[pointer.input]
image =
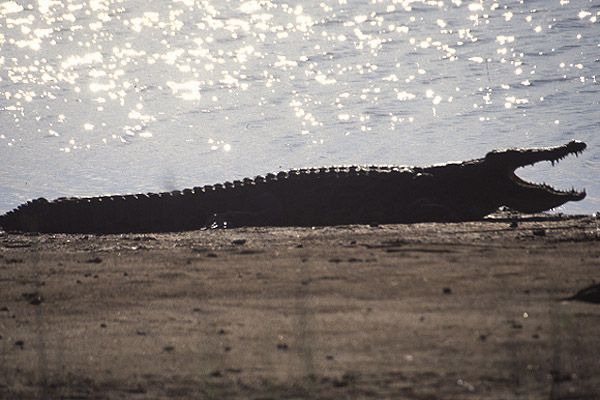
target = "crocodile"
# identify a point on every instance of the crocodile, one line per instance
(453, 192)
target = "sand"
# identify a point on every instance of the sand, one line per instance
(424, 311)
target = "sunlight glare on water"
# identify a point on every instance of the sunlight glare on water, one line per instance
(110, 96)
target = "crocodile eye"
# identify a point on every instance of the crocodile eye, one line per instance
(492, 155)
(502, 155)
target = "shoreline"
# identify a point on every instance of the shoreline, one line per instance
(447, 311)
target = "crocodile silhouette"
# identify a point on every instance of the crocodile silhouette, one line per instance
(328, 196)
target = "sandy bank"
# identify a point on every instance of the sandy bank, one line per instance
(424, 311)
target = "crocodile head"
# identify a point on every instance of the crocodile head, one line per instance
(524, 196)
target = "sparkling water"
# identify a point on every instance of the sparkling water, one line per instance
(112, 97)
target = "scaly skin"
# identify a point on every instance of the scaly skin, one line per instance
(314, 197)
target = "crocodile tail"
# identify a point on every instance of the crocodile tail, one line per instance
(163, 212)
(6, 221)
(24, 218)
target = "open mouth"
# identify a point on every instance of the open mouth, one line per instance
(553, 155)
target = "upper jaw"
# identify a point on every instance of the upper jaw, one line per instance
(516, 158)
(553, 154)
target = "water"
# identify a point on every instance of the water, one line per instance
(110, 97)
